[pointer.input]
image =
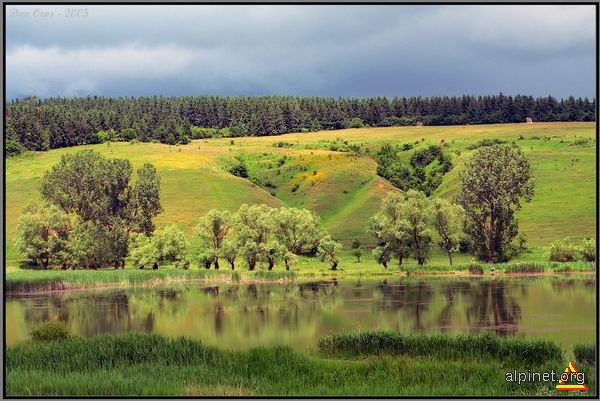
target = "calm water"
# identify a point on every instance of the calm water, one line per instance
(243, 316)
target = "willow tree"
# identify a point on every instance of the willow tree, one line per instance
(447, 220)
(212, 231)
(254, 225)
(297, 229)
(415, 224)
(43, 235)
(328, 251)
(385, 227)
(494, 182)
(108, 206)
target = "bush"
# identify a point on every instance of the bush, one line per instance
(485, 142)
(13, 148)
(585, 353)
(239, 170)
(106, 136)
(588, 250)
(582, 142)
(563, 251)
(475, 268)
(50, 331)
(356, 123)
(183, 264)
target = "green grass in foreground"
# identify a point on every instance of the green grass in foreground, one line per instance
(136, 364)
(585, 353)
(441, 346)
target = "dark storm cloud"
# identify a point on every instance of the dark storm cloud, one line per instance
(301, 50)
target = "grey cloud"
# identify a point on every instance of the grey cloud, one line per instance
(303, 50)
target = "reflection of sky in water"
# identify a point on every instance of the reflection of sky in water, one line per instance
(242, 316)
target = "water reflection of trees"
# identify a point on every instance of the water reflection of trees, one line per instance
(573, 284)
(489, 305)
(493, 307)
(256, 310)
(90, 315)
(414, 298)
(317, 289)
(451, 291)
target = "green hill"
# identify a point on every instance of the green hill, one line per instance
(312, 170)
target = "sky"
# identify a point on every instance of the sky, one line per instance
(347, 50)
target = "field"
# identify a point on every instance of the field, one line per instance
(341, 187)
(152, 365)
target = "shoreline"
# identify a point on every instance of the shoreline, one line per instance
(225, 279)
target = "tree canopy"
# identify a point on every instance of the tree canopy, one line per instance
(93, 196)
(494, 182)
(258, 233)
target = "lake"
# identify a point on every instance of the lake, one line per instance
(242, 316)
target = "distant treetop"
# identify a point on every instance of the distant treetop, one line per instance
(35, 124)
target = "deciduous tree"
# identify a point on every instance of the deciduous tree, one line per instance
(386, 227)
(212, 231)
(493, 185)
(414, 223)
(447, 220)
(43, 234)
(329, 250)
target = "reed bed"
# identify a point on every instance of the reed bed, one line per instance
(441, 346)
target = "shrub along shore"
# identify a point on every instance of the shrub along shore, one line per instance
(387, 364)
(25, 281)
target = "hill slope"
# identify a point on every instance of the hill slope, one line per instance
(302, 170)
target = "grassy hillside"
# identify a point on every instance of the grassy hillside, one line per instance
(302, 170)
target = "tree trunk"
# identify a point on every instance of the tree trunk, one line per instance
(155, 266)
(116, 264)
(232, 264)
(251, 265)
(271, 264)
(384, 264)
(287, 265)
(334, 266)
(450, 257)
(216, 263)
(490, 239)
(122, 263)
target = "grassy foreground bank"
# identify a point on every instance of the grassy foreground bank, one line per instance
(56, 280)
(135, 364)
